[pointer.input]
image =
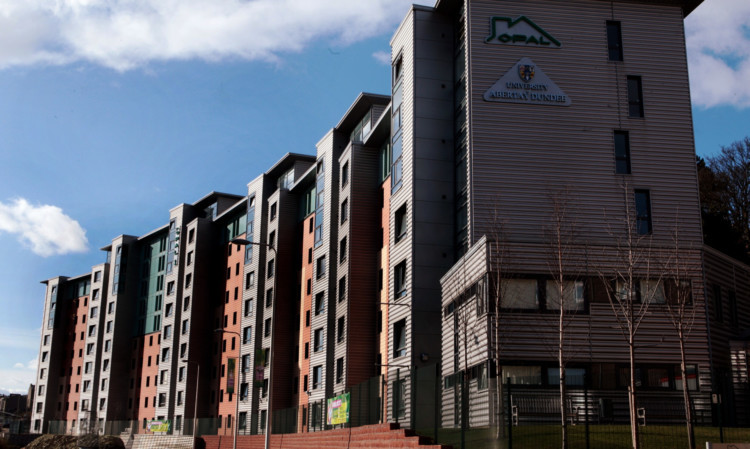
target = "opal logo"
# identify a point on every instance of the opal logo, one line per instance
(519, 31)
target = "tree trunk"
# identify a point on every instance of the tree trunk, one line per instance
(686, 393)
(634, 431)
(561, 367)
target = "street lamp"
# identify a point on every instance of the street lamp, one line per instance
(236, 395)
(245, 242)
(195, 407)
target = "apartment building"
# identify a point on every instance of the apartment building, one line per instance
(503, 118)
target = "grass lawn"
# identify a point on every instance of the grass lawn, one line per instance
(604, 436)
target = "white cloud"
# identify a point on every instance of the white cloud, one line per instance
(18, 366)
(718, 42)
(383, 57)
(123, 34)
(46, 229)
(17, 379)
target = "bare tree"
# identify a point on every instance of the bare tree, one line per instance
(682, 314)
(498, 272)
(631, 288)
(561, 236)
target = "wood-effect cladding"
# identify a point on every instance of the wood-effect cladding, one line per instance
(522, 153)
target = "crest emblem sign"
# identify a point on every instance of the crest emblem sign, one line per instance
(526, 72)
(526, 83)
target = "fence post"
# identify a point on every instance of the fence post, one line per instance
(586, 408)
(395, 396)
(413, 401)
(509, 415)
(438, 409)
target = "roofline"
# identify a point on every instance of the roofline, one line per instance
(215, 193)
(726, 257)
(287, 156)
(360, 98)
(149, 234)
(231, 208)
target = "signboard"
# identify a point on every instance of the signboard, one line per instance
(159, 426)
(519, 31)
(526, 83)
(230, 375)
(338, 410)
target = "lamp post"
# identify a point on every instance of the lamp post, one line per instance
(195, 407)
(245, 242)
(236, 396)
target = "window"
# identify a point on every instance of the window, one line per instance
(520, 294)
(345, 174)
(189, 258)
(396, 152)
(247, 334)
(399, 338)
(317, 376)
(269, 272)
(181, 374)
(652, 291)
(272, 239)
(87, 368)
(167, 331)
(692, 377)
(95, 295)
(249, 280)
(248, 307)
(162, 377)
(97, 276)
(245, 363)
(400, 223)
(92, 330)
(185, 326)
(170, 287)
(635, 96)
(643, 212)
(523, 375)
(267, 328)
(718, 309)
(183, 350)
(273, 212)
(399, 281)
(179, 398)
(320, 267)
(320, 303)
(318, 340)
(399, 398)
(339, 370)
(573, 376)
(105, 365)
(188, 280)
(186, 303)
(191, 235)
(614, 40)
(342, 250)
(165, 354)
(44, 356)
(269, 297)
(572, 295)
(344, 211)
(111, 307)
(46, 340)
(162, 399)
(307, 318)
(89, 349)
(340, 329)
(342, 288)
(622, 152)
(244, 391)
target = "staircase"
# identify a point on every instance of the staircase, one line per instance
(366, 437)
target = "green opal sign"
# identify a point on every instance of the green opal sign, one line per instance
(519, 31)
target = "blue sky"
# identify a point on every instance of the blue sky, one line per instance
(111, 113)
